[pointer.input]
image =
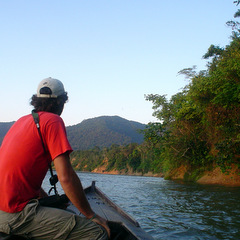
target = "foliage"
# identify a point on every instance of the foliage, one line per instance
(87, 160)
(198, 127)
(237, 2)
(132, 157)
(202, 122)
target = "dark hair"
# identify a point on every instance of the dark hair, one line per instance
(53, 105)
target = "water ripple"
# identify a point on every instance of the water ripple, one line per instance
(173, 210)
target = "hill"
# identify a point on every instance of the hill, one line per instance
(100, 131)
(103, 132)
(4, 127)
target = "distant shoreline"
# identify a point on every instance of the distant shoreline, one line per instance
(214, 177)
(230, 178)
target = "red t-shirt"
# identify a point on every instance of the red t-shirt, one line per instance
(23, 162)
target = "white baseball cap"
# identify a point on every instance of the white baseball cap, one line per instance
(50, 88)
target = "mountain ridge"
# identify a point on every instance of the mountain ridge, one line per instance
(104, 131)
(4, 127)
(99, 132)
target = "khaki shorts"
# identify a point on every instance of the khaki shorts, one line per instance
(37, 222)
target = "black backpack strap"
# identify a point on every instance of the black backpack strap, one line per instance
(36, 120)
(53, 179)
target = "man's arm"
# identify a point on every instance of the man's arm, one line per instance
(72, 186)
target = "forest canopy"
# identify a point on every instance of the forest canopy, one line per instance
(198, 127)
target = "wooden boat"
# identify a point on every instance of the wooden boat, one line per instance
(122, 225)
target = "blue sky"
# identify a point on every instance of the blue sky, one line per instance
(108, 54)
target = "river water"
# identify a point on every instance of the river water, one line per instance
(172, 210)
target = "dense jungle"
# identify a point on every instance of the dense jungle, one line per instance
(198, 128)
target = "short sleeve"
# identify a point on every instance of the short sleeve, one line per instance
(56, 137)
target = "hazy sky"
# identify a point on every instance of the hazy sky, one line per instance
(108, 54)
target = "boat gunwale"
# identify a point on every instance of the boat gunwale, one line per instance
(93, 188)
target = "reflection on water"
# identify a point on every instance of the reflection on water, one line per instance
(172, 210)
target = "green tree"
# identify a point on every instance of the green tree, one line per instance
(200, 125)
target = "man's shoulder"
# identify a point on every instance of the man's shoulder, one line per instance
(48, 119)
(49, 116)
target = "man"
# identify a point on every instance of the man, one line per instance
(23, 165)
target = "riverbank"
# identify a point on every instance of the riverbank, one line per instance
(213, 177)
(128, 172)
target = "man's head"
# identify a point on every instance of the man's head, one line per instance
(50, 96)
